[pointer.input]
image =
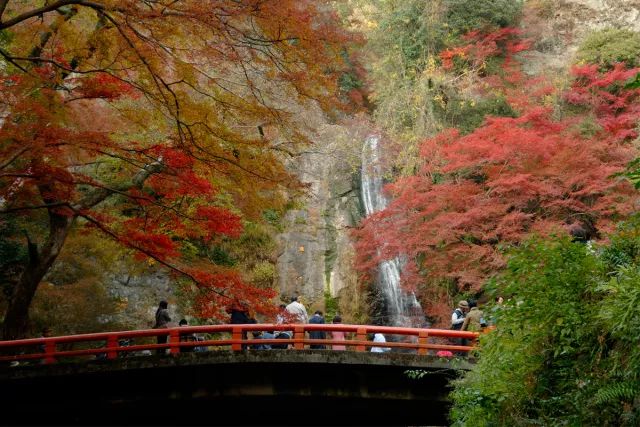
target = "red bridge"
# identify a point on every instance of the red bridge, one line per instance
(96, 379)
(49, 350)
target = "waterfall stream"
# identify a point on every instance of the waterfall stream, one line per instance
(403, 309)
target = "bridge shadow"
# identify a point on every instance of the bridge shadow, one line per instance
(309, 387)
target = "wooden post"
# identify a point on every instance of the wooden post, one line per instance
(112, 344)
(423, 335)
(236, 334)
(174, 342)
(361, 335)
(298, 337)
(49, 350)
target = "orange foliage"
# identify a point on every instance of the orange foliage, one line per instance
(144, 118)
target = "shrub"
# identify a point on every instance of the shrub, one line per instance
(611, 45)
(564, 351)
(464, 15)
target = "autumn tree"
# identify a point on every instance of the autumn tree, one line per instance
(536, 173)
(156, 123)
(413, 96)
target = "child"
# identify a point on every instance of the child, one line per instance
(338, 335)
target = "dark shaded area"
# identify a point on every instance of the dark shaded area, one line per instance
(309, 388)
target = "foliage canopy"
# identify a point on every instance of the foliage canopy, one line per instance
(157, 123)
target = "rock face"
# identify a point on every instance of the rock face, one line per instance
(315, 249)
(139, 295)
(560, 26)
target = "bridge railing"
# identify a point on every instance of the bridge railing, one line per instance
(231, 336)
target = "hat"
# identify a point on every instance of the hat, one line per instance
(463, 304)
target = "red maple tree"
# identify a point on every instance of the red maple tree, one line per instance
(477, 194)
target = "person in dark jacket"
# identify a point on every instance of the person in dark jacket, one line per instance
(457, 319)
(239, 315)
(317, 319)
(162, 322)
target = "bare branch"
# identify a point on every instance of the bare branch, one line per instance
(102, 193)
(45, 9)
(3, 6)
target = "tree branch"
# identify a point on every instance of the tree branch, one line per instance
(102, 193)
(113, 235)
(3, 6)
(12, 61)
(45, 9)
(14, 157)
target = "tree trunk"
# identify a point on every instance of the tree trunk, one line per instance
(16, 320)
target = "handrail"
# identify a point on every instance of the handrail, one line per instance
(47, 348)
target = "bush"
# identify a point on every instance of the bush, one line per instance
(611, 45)
(467, 115)
(264, 274)
(464, 15)
(565, 350)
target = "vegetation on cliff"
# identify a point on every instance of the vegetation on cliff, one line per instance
(511, 184)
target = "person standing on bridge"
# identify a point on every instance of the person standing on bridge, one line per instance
(458, 315)
(474, 320)
(297, 310)
(239, 315)
(162, 322)
(457, 319)
(379, 338)
(317, 319)
(338, 335)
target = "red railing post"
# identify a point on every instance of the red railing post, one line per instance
(361, 335)
(49, 351)
(112, 344)
(298, 337)
(174, 342)
(423, 335)
(236, 334)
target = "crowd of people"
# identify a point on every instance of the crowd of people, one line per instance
(466, 317)
(293, 313)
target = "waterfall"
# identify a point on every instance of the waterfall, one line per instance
(403, 309)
